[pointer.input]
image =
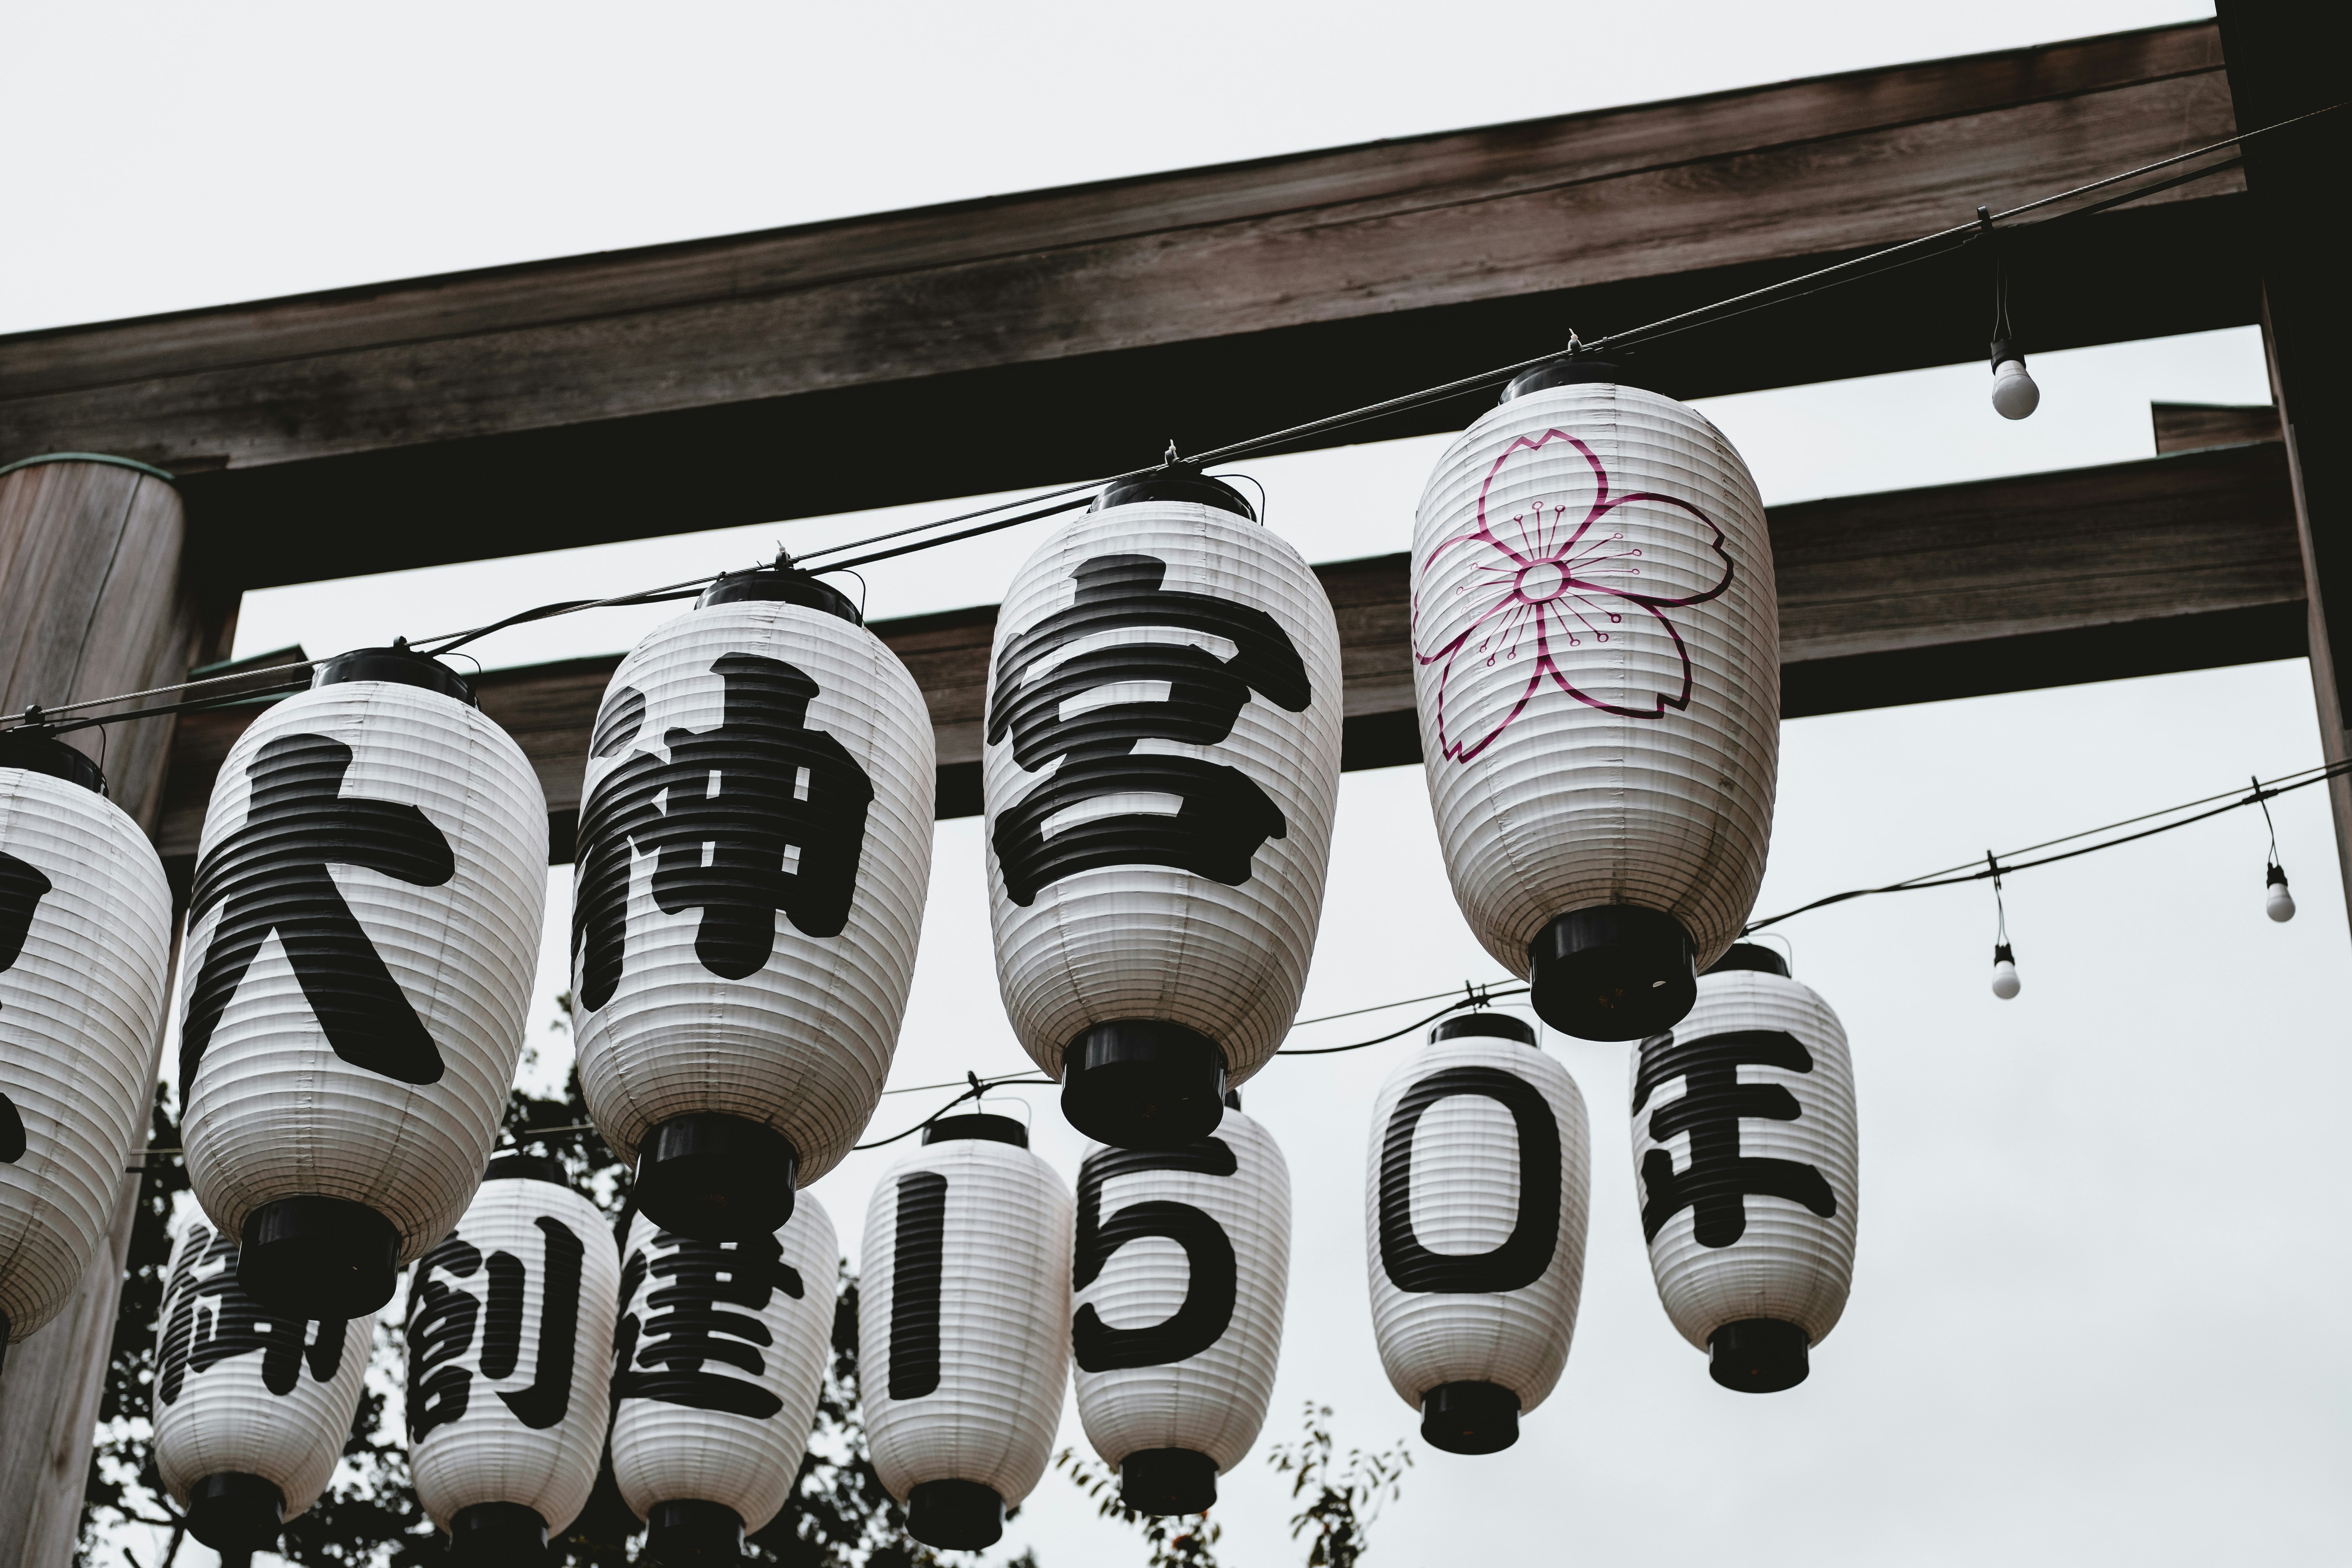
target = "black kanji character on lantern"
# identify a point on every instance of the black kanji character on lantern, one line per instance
(443, 1319)
(21, 888)
(211, 1321)
(1225, 815)
(684, 1326)
(1212, 1279)
(760, 817)
(272, 875)
(1718, 1181)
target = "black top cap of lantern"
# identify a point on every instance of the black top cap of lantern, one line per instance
(1568, 370)
(1176, 481)
(36, 749)
(524, 1168)
(1751, 955)
(1233, 1099)
(978, 1124)
(1484, 1025)
(401, 665)
(783, 584)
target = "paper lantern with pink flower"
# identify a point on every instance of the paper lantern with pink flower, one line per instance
(1596, 645)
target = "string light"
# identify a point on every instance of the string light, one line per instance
(2277, 902)
(2005, 982)
(2014, 394)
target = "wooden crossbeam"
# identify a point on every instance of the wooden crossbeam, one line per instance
(1053, 336)
(2173, 563)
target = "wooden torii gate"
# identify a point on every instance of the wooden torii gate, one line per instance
(1039, 338)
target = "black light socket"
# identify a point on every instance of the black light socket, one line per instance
(714, 1177)
(489, 1534)
(325, 1260)
(399, 664)
(1470, 1417)
(1143, 1083)
(955, 1516)
(691, 1530)
(1614, 972)
(233, 1511)
(1167, 1481)
(1758, 1356)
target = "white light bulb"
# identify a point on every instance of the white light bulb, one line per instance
(2005, 984)
(2014, 395)
(2278, 903)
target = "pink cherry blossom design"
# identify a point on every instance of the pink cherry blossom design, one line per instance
(1557, 588)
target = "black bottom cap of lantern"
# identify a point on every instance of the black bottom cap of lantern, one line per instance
(232, 1511)
(1143, 1083)
(1167, 1481)
(955, 1516)
(694, 1530)
(489, 1533)
(325, 1258)
(1470, 1417)
(714, 1177)
(1758, 1355)
(1616, 971)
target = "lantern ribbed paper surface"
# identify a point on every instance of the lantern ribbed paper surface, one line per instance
(85, 956)
(360, 947)
(1182, 1263)
(1596, 642)
(1475, 1199)
(964, 1326)
(754, 856)
(718, 1363)
(1161, 769)
(510, 1351)
(1748, 1161)
(251, 1407)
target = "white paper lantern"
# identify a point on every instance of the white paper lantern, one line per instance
(1161, 769)
(252, 1407)
(1748, 1163)
(963, 1327)
(755, 849)
(1475, 1197)
(362, 941)
(718, 1364)
(85, 973)
(1182, 1260)
(510, 1364)
(1596, 642)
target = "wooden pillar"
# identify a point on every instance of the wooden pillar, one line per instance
(2285, 59)
(92, 604)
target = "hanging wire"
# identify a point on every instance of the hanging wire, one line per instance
(1886, 258)
(979, 1085)
(1955, 875)
(1474, 997)
(1263, 505)
(2002, 331)
(451, 642)
(36, 713)
(2267, 822)
(1999, 910)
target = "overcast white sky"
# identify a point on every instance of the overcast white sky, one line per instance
(2100, 1223)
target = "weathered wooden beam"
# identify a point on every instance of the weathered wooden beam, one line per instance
(2172, 563)
(2286, 60)
(91, 603)
(1064, 333)
(2192, 427)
